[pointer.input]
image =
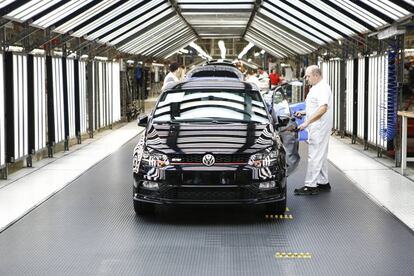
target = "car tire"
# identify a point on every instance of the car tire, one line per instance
(143, 208)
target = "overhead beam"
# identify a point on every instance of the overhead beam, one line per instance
(177, 9)
(256, 7)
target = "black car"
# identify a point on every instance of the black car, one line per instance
(209, 141)
(215, 70)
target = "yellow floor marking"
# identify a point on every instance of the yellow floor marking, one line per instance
(293, 255)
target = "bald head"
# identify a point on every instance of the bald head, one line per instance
(313, 74)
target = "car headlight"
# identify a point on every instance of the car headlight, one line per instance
(154, 159)
(264, 159)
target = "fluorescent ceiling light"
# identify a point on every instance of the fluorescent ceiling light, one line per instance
(113, 37)
(216, 1)
(84, 16)
(222, 49)
(256, 54)
(30, 9)
(109, 16)
(59, 13)
(262, 52)
(245, 50)
(5, 3)
(140, 17)
(218, 6)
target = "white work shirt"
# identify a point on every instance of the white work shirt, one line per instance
(170, 77)
(320, 94)
(255, 80)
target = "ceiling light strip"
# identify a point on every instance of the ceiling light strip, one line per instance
(292, 27)
(135, 27)
(84, 16)
(109, 16)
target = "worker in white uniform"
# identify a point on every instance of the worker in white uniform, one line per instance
(318, 121)
(172, 76)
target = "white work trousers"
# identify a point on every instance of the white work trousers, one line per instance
(317, 172)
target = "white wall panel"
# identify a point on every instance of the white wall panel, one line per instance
(331, 71)
(349, 95)
(82, 97)
(2, 119)
(377, 108)
(20, 106)
(107, 93)
(39, 81)
(116, 88)
(382, 109)
(71, 96)
(58, 99)
(361, 96)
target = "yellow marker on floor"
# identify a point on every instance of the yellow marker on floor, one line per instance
(285, 216)
(292, 255)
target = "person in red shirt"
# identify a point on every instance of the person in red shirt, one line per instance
(274, 79)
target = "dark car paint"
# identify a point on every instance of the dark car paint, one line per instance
(231, 180)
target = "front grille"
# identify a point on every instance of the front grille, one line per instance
(194, 177)
(220, 158)
(208, 194)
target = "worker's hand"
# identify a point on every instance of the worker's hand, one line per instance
(303, 126)
(298, 114)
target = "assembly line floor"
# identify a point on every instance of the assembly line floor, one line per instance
(73, 215)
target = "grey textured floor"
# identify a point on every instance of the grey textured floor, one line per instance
(90, 228)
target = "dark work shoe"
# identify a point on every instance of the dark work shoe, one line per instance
(324, 187)
(307, 191)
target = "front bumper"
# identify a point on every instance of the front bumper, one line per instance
(249, 193)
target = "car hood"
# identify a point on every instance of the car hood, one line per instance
(210, 138)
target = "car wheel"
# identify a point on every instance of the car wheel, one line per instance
(143, 208)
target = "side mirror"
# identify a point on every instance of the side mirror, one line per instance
(143, 120)
(283, 121)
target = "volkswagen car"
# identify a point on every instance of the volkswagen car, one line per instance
(209, 141)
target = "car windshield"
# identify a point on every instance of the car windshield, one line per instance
(229, 106)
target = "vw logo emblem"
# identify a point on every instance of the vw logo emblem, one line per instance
(208, 160)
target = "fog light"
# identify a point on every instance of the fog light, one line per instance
(267, 185)
(150, 185)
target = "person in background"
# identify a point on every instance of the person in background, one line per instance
(319, 120)
(251, 77)
(181, 72)
(274, 79)
(172, 76)
(263, 79)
